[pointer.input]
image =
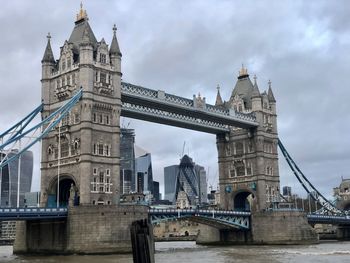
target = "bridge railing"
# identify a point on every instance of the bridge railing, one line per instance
(135, 90)
(35, 213)
(197, 211)
(32, 210)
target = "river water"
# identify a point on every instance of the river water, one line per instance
(182, 252)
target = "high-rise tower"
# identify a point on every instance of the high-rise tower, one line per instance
(84, 151)
(248, 159)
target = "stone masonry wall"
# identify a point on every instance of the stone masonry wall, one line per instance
(102, 229)
(87, 230)
(282, 227)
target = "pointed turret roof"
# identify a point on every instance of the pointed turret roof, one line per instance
(244, 87)
(48, 55)
(114, 50)
(256, 92)
(270, 95)
(218, 97)
(82, 32)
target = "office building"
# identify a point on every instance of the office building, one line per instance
(187, 177)
(170, 175)
(9, 179)
(127, 161)
(143, 168)
(156, 195)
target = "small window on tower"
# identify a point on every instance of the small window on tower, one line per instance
(76, 118)
(103, 58)
(69, 62)
(103, 77)
(63, 65)
(100, 149)
(102, 177)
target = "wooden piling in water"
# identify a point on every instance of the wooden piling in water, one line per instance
(142, 241)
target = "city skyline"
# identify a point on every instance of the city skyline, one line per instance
(303, 49)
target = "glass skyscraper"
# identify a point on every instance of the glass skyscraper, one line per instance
(187, 177)
(9, 179)
(127, 161)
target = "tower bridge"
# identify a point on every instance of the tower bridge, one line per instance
(83, 99)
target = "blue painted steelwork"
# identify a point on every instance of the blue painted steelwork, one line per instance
(329, 219)
(308, 186)
(51, 121)
(9, 214)
(13, 132)
(234, 219)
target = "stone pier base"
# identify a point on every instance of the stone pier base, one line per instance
(268, 227)
(87, 230)
(209, 235)
(343, 232)
(282, 227)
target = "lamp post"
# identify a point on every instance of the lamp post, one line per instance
(19, 173)
(58, 164)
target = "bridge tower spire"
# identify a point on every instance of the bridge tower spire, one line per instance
(248, 159)
(47, 66)
(218, 100)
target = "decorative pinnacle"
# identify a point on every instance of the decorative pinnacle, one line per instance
(82, 13)
(218, 87)
(269, 83)
(48, 37)
(243, 71)
(255, 78)
(114, 29)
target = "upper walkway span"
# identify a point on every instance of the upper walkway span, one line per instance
(160, 107)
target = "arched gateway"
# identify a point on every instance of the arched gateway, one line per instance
(68, 192)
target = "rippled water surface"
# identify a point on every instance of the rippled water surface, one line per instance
(181, 252)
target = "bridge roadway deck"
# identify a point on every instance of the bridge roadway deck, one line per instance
(8, 214)
(328, 219)
(160, 107)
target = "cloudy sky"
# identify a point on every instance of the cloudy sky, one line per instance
(186, 47)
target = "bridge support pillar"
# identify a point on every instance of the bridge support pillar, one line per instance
(282, 227)
(343, 232)
(86, 230)
(208, 235)
(20, 244)
(211, 235)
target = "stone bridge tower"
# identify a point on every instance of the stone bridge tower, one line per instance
(87, 146)
(248, 159)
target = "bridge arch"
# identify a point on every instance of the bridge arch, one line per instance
(243, 200)
(67, 186)
(346, 206)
